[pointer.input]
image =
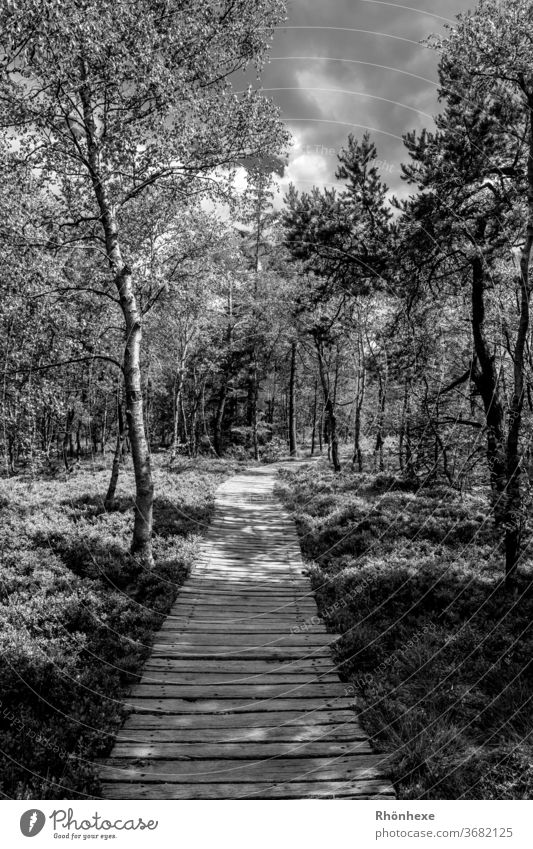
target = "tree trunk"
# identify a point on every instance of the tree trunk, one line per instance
(141, 545)
(93, 432)
(405, 446)
(218, 430)
(204, 422)
(403, 428)
(329, 409)
(66, 438)
(272, 400)
(292, 402)
(109, 501)
(103, 439)
(253, 391)
(218, 441)
(193, 424)
(487, 382)
(193, 433)
(78, 441)
(148, 415)
(177, 403)
(142, 465)
(515, 518)
(313, 430)
(382, 398)
(357, 458)
(184, 420)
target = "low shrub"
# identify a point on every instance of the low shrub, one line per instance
(438, 657)
(78, 615)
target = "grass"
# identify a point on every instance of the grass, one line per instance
(77, 616)
(436, 655)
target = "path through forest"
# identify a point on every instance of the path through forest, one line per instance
(240, 697)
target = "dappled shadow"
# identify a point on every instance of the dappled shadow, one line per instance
(428, 651)
(92, 505)
(87, 557)
(435, 652)
(172, 518)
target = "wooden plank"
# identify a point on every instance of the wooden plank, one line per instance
(233, 593)
(214, 679)
(227, 565)
(226, 618)
(239, 751)
(265, 719)
(208, 582)
(363, 789)
(243, 626)
(277, 563)
(241, 618)
(249, 609)
(261, 552)
(273, 561)
(234, 705)
(224, 543)
(250, 629)
(302, 665)
(234, 623)
(276, 559)
(212, 611)
(221, 613)
(244, 640)
(285, 690)
(237, 599)
(233, 652)
(244, 582)
(263, 578)
(261, 616)
(343, 768)
(344, 732)
(242, 569)
(250, 613)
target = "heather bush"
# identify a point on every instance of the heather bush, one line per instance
(437, 656)
(78, 615)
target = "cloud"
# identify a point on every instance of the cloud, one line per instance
(347, 65)
(308, 168)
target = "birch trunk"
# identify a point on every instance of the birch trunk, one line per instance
(141, 545)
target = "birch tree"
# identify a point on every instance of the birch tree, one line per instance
(108, 98)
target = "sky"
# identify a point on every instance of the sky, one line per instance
(341, 66)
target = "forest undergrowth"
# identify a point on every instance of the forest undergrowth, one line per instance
(435, 653)
(77, 615)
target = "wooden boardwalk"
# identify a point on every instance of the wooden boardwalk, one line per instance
(240, 697)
